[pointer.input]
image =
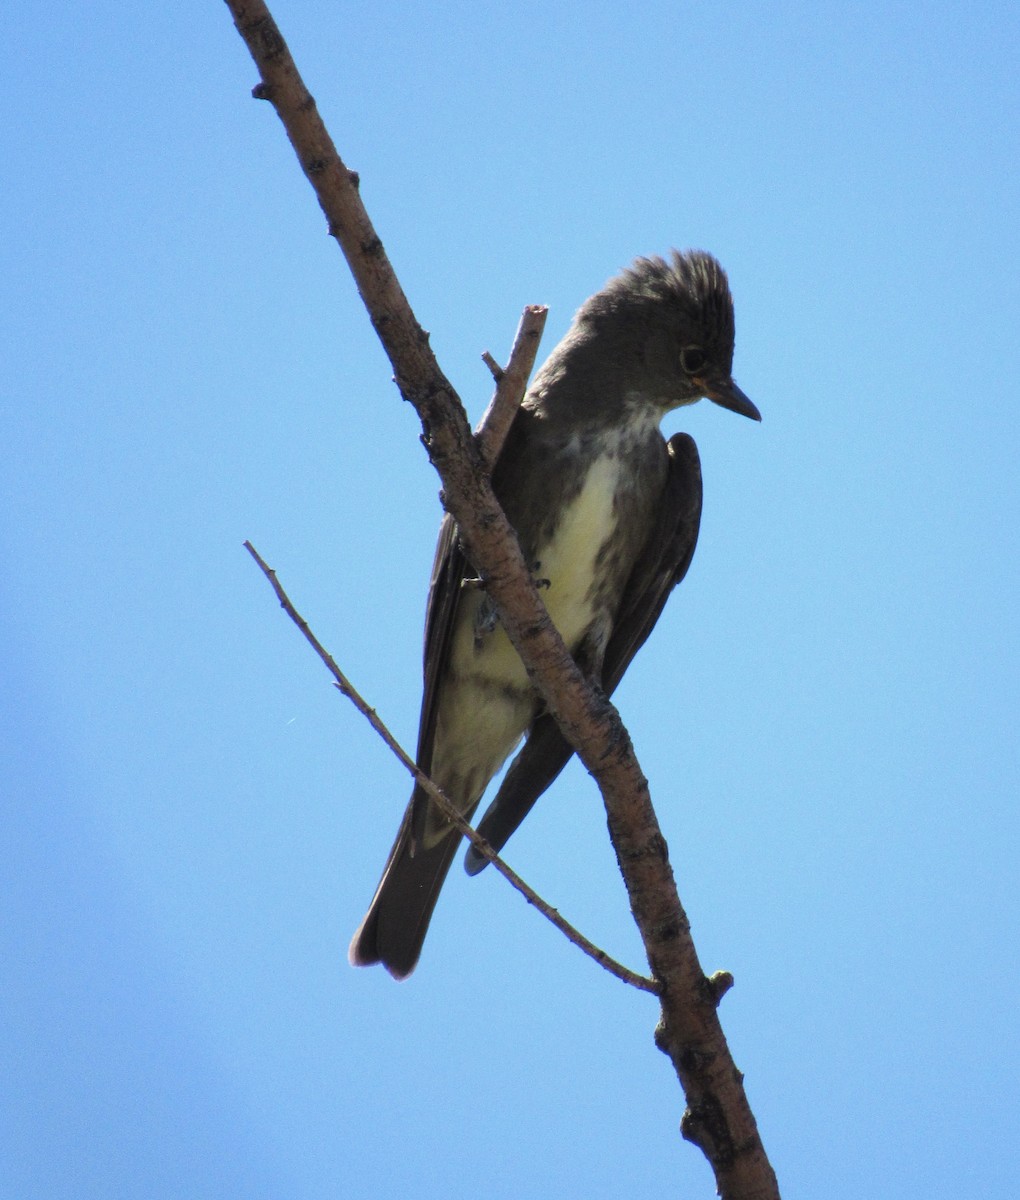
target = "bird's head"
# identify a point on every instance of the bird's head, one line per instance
(669, 326)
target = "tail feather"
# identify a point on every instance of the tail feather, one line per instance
(398, 918)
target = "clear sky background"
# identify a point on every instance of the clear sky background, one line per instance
(194, 820)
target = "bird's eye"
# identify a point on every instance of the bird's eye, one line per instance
(693, 359)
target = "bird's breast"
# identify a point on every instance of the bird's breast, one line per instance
(567, 562)
(567, 567)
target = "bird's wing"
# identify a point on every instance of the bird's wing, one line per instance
(449, 569)
(662, 565)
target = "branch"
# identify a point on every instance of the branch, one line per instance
(452, 814)
(718, 1117)
(511, 384)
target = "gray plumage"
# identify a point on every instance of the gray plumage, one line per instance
(607, 514)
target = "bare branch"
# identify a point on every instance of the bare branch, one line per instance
(448, 810)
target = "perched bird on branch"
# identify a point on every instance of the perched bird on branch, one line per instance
(607, 514)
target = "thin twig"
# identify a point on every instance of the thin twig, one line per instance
(448, 810)
(511, 384)
(494, 368)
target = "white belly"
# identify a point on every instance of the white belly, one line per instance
(567, 562)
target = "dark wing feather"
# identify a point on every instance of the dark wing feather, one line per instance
(663, 564)
(449, 569)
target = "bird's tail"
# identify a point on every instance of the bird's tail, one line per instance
(398, 918)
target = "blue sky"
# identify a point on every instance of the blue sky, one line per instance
(195, 821)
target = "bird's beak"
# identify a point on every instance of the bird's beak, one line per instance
(728, 395)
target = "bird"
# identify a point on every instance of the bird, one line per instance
(607, 513)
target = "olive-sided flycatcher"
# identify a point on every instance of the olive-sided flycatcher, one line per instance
(607, 514)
